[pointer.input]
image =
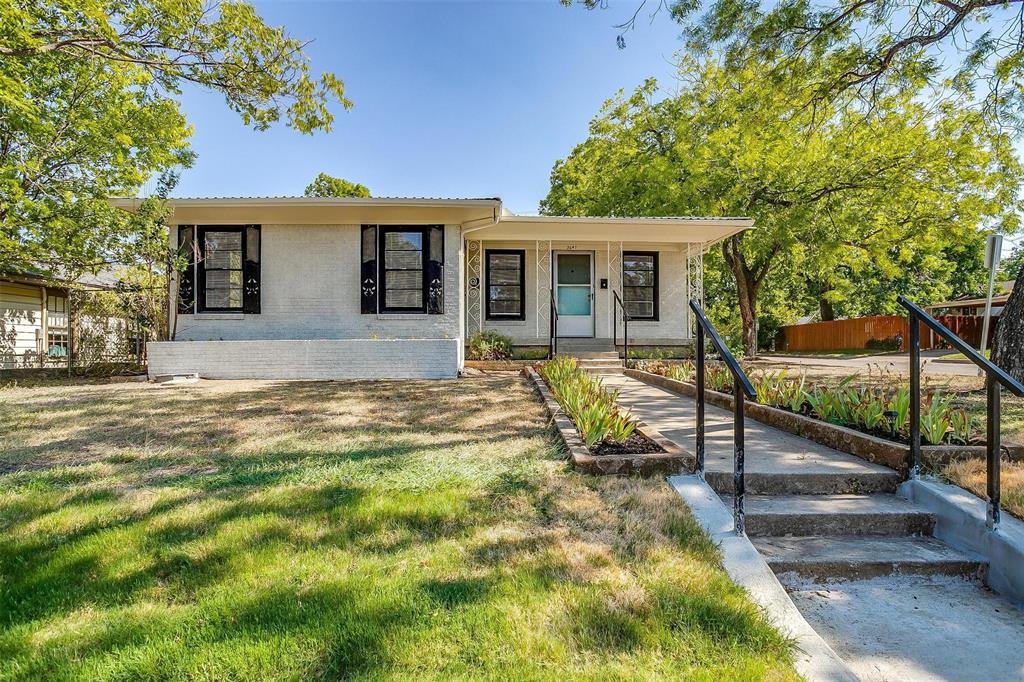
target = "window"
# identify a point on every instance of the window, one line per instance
(640, 284)
(228, 271)
(222, 266)
(57, 343)
(506, 284)
(403, 270)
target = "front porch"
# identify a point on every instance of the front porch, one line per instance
(520, 269)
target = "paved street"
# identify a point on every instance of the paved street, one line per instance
(896, 363)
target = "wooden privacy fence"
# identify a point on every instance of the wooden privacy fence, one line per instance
(857, 332)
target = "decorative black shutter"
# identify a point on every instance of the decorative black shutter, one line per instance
(368, 271)
(251, 271)
(186, 278)
(435, 270)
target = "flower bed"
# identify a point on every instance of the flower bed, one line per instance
(611, 441)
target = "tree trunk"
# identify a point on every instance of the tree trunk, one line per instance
(828, 313)
(747, 285)
(1008, 345)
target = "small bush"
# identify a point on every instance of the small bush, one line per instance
(893, 343)
(489, 345)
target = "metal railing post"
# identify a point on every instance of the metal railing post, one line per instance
(625, 337)
(915, 396)
(996, 379)
(699, 370)
(993, 446)
(615, 323)
(738, 479)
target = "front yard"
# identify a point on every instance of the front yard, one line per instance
(261, 530)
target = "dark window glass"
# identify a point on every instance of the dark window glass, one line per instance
(222, 261)
(506, 285)
(403, 270)
(640, 285)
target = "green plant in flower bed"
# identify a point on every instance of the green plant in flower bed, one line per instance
(594, 410)
(858, 405)
(718, 378)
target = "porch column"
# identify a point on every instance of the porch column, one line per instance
(614, 272)
(474, 286)
(543, 284)
(694, 280)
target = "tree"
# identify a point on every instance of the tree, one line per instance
(1014, 265)
(325, 185)
(88, 110)
(833, 188)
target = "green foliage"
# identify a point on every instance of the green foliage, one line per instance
(88, 110)
(594, 410)
(851, 203)
(489, 345)
(936, 418)
(717, 377)
(1012, 266)
(883, 344)
(325, 185)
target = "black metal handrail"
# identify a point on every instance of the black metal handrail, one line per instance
(616, 305)
(994, 377)
(741, 389)
(553, 335)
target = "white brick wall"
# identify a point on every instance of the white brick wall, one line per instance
(310, 290)
(308, 359)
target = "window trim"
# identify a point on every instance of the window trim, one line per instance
(201, 231)
(654, 316)
(382, 270)
(498, 317)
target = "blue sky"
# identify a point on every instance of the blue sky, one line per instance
(471, 98)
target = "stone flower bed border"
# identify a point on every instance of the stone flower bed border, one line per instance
(871, 448)
(674, 460)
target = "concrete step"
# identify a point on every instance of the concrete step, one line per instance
(606, 371)
(834, 515)
(860, 557)
(596, 355)
(811, 483)
(599, 362)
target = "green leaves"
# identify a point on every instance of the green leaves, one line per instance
(325, 185)
(88, 110)
(594, 410)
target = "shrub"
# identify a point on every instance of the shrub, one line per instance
(489, 345)
(892, 343)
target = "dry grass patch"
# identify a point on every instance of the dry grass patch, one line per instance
(365, 530)
(971, 475)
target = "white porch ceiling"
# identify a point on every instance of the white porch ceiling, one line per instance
(571, 228)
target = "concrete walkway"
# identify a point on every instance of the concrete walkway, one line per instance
(859, 562)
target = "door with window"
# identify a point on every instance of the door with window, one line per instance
(574, 293)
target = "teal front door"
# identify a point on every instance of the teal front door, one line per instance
(574, 293)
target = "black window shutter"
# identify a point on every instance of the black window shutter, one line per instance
(435, 270)
(187, 277)
(251, 270)
(368, 271)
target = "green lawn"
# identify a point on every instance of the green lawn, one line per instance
(417, 530)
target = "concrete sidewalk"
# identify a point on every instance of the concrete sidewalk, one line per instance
(860, 563)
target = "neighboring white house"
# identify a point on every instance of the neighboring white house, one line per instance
(33, 322)
(301, 287)
(37, 331)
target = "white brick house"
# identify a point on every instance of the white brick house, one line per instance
(300, 287)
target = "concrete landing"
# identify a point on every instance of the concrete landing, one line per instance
(921, 628)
